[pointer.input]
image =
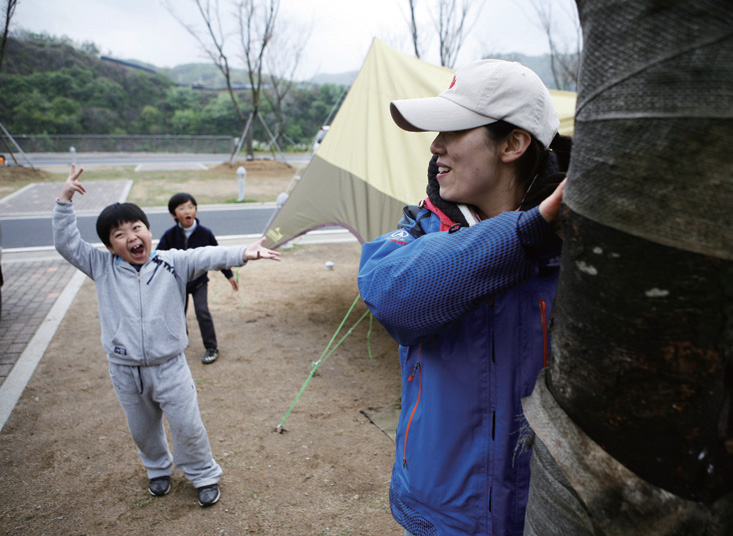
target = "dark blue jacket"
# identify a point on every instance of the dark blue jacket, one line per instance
(174, 238)
(470, 310)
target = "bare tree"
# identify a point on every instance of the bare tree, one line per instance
(413, 28)
(212, 41)
(452, 21)
(8, 13)
(282, 61)
(256, 27)
(564, 51)
(450, 25)
(256, 31)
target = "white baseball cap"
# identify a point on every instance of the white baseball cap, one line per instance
(483, 92)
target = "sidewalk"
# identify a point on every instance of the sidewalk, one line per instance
(31, 308)
(37, 199)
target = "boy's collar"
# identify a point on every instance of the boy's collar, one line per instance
(118, 260)
(195, 224)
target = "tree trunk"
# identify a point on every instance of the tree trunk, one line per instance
(643, 328)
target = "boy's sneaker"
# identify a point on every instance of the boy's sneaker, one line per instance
(209, 495)
(159, 486)
(210, 357)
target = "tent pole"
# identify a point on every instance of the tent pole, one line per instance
(272, 139)
(241, 139)
(5, 131)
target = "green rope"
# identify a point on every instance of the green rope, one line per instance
(369, 337)
(325, 355)
(239, 294)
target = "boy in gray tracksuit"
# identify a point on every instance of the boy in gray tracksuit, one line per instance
(141, 298)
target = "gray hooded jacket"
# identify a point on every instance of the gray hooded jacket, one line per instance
(141, 312)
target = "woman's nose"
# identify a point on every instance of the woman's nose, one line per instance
(438, 145)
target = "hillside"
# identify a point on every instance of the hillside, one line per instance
(50, 86)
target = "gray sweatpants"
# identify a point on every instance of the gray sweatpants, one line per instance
(147, 394)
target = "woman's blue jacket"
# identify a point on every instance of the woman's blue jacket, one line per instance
(470, 308)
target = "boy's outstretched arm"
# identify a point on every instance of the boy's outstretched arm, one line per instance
(255, 251)
(72, 185)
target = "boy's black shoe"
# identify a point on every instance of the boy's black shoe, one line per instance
(210, 357)
(159, 486)
(209, 495)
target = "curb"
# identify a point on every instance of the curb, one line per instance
(12, 388)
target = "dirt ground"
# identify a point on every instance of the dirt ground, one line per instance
(69, 466)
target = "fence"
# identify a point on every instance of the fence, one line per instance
(91, 143)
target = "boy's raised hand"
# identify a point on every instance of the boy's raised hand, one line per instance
(72, 185)
(255, 251)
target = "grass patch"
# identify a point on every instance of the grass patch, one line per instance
(266, 179)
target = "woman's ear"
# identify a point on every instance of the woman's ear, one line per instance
(515, 145)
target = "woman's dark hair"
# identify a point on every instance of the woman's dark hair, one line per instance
(529, 162)
(115, 215)
(539, 171)
(178, 200)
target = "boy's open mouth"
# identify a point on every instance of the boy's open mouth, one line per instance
(138, 251)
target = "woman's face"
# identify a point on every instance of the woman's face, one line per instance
(471, 172)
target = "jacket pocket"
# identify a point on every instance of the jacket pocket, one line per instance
(414, 376)
(160, 340)
(125, 343)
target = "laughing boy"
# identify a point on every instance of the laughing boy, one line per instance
(141, 296)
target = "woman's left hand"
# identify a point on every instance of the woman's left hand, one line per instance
(550, 207)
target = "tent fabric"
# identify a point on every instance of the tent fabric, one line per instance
(367, 168)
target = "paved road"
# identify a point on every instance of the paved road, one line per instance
(224, 220)
(169, 160)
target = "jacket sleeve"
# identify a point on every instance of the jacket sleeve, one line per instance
(226, 271)
(191, 263)
(417, 286)
(68, 241)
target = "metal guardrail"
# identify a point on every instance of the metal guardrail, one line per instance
(93, 143)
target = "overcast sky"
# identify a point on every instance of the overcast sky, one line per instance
(341, 30)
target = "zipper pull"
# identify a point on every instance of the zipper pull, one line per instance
(414, 371)
(404, 463)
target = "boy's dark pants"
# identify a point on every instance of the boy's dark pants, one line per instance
(206, 323)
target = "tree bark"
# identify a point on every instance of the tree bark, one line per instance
(643, 326)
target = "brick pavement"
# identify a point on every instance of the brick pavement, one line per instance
(29, 292)
(33, 285)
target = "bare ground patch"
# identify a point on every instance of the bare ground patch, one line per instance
(69, 466)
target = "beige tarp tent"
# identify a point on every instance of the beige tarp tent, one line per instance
(367, 168)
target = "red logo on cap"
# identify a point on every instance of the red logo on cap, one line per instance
(453, 83)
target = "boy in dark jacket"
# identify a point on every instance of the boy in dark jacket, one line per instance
(188, 233)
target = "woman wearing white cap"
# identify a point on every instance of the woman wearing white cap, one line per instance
(470, 306)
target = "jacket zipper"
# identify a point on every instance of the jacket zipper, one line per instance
(417, 370)
(142, 324)
(545, 346)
